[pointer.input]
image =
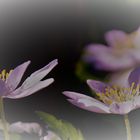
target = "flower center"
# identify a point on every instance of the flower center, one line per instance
(4, 75)
(119, 94)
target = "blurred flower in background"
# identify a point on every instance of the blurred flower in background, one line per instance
(121, 53)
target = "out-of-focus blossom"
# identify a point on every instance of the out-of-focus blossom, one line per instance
(121, 53)
(51, 136)
(10, 81)
(110, 98)
(29, 128)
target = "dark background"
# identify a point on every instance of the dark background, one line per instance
(41, 31)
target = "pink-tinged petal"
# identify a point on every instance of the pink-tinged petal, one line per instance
(114, 37)
(134, 76)
(3, 89)
(120, 78)
(16, 75)
(77, 96)
(137, 102)
(92, 51)
(86, 102)
(20, 127)
(96, 48)
(50, 136)
(136, 38)
(39, 75)
(21, 92)
(90, 106)
(97, 86)
(106, 58)
(122, 108)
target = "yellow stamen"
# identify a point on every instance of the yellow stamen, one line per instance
(119, 94)
(4, 75)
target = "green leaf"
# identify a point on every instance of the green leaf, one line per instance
(64, 129)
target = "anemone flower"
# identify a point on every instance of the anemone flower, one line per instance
(9, 86)
(111, 99)
(122, 51)
(10, 81)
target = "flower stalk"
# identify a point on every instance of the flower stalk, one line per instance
(128, 127)
(4, 123)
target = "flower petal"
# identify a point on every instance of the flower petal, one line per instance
(86, 102)
(134, 76)
(97, 86)
(92, 51)
(16, 75)
(136, 38)
(51, 136)
(122, 108)
(21, 92)
(38, 75)
(94, 107)
(137, 102)
(115, 36)
(20, 127)
(3, 88)
(120, 78)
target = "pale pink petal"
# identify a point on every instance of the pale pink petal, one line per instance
(87, 105)
(120, 78)
(21, 92)
(20, 127)
(115, 36)
(97, 86)
(50, 136)
(136, 39)
(39, 75)
(86, 102)
(76, 96)
(134, 76)
(16, 75)
(122, 108)
(137, 101)
(92, 51)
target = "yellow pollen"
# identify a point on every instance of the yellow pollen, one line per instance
(119, 94)
(4, 75)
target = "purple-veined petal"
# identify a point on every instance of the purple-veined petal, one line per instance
(16, 75)
(114, 37)
(106, 58)
(77, 96)
(136, 38)
(21, 92)
(20, 127)
(86, 105)
(97, 86)
(137, 102)
(38, 75)
(122, 108)
(134, 76)
(120, 78)
(3, 89)
(86, 102)
(92, 51)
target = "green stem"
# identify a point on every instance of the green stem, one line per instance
(128, 127)
(2, 115)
